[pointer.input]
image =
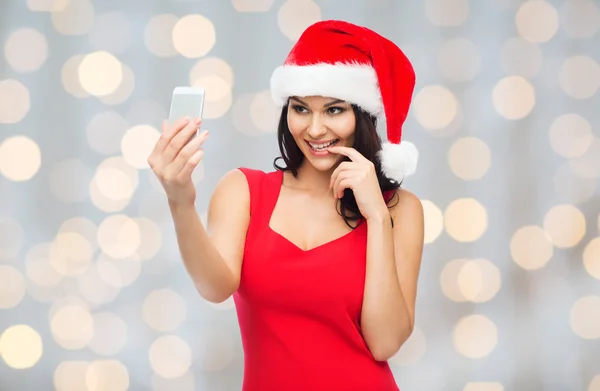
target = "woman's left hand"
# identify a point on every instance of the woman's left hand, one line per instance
(358, 175)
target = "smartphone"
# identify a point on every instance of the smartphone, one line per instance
(186, 101)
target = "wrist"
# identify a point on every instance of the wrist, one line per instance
(179, 207)
(382, 215)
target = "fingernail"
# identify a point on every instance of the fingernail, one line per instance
(186, 119)
(198, 120)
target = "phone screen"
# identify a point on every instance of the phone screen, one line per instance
(186, 104)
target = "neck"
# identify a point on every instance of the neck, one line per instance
(311, 179)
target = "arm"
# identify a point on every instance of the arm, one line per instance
(393, 263)
(213, 257)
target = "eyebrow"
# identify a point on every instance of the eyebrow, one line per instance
(326, 105)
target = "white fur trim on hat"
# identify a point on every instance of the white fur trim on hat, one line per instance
(353, 83)
(398, 160)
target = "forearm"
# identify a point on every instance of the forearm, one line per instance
(205, 265)
(385, 320)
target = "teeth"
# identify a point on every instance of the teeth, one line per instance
(319, 147)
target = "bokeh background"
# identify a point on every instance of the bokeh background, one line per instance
(93, 294)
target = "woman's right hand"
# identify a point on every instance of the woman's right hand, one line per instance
(174, 157)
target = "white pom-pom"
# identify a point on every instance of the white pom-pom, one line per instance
(398, 160)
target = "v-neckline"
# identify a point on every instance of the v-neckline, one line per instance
(279, 186)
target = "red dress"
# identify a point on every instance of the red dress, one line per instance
(299, 310)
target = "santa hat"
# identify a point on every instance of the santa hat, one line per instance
(341, 60)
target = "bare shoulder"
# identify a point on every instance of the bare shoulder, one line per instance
(232, 185)
(406, 205)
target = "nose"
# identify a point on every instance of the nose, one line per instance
(317, 128)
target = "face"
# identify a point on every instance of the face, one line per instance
(316, 123)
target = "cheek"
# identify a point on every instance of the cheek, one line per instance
(296, 124)
(345, 127)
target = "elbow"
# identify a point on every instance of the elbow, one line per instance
(217, 296)
(385, 350)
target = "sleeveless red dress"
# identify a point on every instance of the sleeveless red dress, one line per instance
(299, 311)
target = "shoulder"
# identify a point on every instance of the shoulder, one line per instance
(405, 205)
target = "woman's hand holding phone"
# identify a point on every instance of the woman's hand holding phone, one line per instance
(174, 158)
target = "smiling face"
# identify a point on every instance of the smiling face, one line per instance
(317, 123)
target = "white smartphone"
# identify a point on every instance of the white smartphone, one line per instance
(186, 101)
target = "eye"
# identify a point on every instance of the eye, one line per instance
(299, 109)
(335, 110)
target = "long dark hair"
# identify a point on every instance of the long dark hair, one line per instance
(366, 141)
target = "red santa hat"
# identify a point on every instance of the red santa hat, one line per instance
(341, 60)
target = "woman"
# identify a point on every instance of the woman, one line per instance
(323, 254)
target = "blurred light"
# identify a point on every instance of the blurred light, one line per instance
(72, 327)
(469, 158)
(158, 35)
(449, 280)
(459, 60)
(123, 91)
(114, 184)
(83, 227)
(412, 351)
(137, 144)
(212, 66)
(565, 224)
(164, 310)
(105, 131)
(94, 289)
(183, 383)
(12, 238)
(70, 179)
(513, 97)
(587, 166)
(252, 5)
(242, 118)
(465, 220)
(214, 350)
(194, 36)
(21, 347)
(118, 273)
(591, 258)
(47, 5)
(447, 13)
(294, 16)
(216, 88)
(480, 386)
(110, 334)
(107, 375)
(579, 77)
(170, 356)
(70, 77)
(571, 187)
(112, 32)
(531, 247)
(100, 191)
(100, 73)
(12, 287)
(26, 50)
(585, 317)
(434, 221)
(38, 266)
(435, 107)
(520, 57)
(571, 135)
(77, 18)
(70, 376)
(14, 101)
(151, 238)
(119, 236)
(264, 113)
(217, 109)
(537, 21)
(478, 280)
(580, 18)
(70, 253)
(20, 158)
(475, 336)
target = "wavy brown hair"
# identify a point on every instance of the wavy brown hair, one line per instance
(366, 141)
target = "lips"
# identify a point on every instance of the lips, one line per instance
(322, 146)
